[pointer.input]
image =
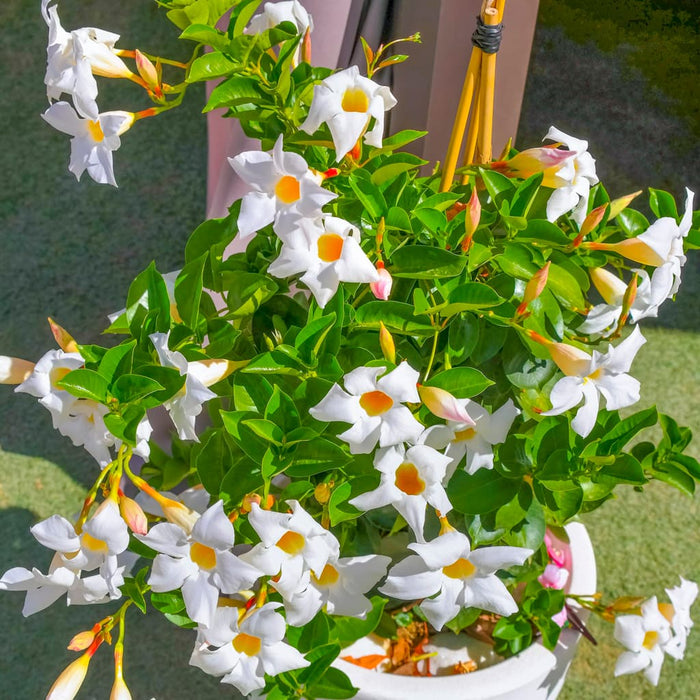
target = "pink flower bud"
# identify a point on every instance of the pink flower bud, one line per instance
(553, 576)
(442, 404)
(133, 514)
(146, 70)
(561, 617)
(546, 159)
(83, 640)
(63, 338)
(382, 287)
(534, 288)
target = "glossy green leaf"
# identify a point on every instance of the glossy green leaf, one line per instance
(316, 456)
(424, 262)
(85, 384)
(462, 382)
(396, 316)
(132, 387)
(482, 492)
(613, 441)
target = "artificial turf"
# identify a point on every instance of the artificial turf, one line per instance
(69, 251)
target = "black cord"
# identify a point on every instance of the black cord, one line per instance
(487, 36)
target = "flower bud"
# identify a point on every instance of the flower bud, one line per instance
(386, 342)
(546, 160)
(306, 46)
(554, 577)
(589, 223)
(68, 683)
(570, 360)
(442, 404)
(633, 249)
(627, 301)
(322, 493)
(177, 513)
(471, 220)
(146, 70)
(382, 287)
(620, 204)
(120, 691)
(610, 286)
(83, 640)
(13, 370)
(63, 338)
(133, 514)
(534, 288)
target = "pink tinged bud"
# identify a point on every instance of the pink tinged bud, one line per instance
(628, 300)
(534, 288)
(554, 576)
(442, 404)
(619, 205)
(68, 683)
(473, 213)
(590, 223)
(570, 360)
(13, 370)
(382, 287)
(146, 70)
(306, 46)
(386, 342)
(610, 286)
(545, 160)
(133, 514)
(561, 617)
(83, 640)
(64, 339)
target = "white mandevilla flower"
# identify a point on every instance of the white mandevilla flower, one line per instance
(281, 184)
(677, 612)
(644, 636)
(93, 140)
(347, 101)
(291, 545)
(275, 13)
(455, 577)
(187, 404)
(341, 587)
(411, 480)
(246, 649)
(198, 563)
(374, 405)
(473, 441)
(604, 373)
(328, 252)
(578, 172)
(73, 57)
(43, 590)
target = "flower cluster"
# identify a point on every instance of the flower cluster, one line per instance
(402, 380)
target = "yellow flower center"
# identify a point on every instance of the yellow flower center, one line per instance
(330, 247)
(328, 576)
(408, 479)
(95, 131)
(463, 435)
(247, 644)
(650, 640)
(287, 189)
(204, 557)
(376, 402)
(93, 544)
(462, 568)
(56, 374)
(355, 100)
(291, 542)
(596, 374)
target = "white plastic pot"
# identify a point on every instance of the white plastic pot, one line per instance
(534, 674)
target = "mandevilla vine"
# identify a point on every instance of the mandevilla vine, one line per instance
(386, 366)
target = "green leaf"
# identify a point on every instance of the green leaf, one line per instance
(433, 220)
(242, 14)
(625, 468)
(203, 34)
(117, 360)
(614, 440)
(632, 222)
(525, 195)
(688, 463)
(565, 287)
(462, 382)
(132, 387)
(246, 439)
(242, 478)
(349, 629)
(662, 204)
(310, 338)
(334, 685)
(370, 197)
(85, 384)
(247, 291)
(265, 429)
(483, 492)
(188, 290)
(211, 65)
(542, 233)
(320, 658)
(470, 296)
(464, 618)
(396, 316)
(398, 218)
(282, 411)
(400, 163)
(676, 477)
(236, 90)
(213, 460)
(273, 363)
(251, 393)
(424, 262)
(339, 509)
(400, 139)
(498, 186)
(463, 335)
(314, 457)
(523, 370)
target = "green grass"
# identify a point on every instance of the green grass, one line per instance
(69, 251)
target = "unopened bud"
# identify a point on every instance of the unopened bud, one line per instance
(471, 221)
(13, 370)
(386, 342)
(620, 204)
(64, 339)
(546, 159)
(534, 288)
(442, 404)
(83, 640)
(147, 70)
(69, 681)
(589, 223)
(248, 500)
(570, 360)
(133, 515)
(632, 249)
(627, 301)
(610, 286)
(306, 46)
(178, 513)
(322, 493)
(382, 287)
(120, 691)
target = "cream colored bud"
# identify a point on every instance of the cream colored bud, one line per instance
(13, 370)
(82, 641)
(146, 70)
(68, 683)
(610, 286)
(133, 514)
(386, 342)
(63, 338)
